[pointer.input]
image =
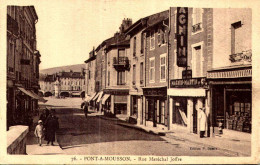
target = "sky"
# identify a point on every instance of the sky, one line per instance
(68, 30)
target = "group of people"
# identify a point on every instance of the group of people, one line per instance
(47, 126)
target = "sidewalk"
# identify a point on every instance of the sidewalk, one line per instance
(234, 146)
(32, 147)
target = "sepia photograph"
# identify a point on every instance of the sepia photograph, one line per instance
(126, 82)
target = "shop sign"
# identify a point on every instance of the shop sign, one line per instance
(182, 36)
(186, 74)
(116, 92)
(189, 83)
(155, 92)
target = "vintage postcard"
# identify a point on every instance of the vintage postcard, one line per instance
(129, 82)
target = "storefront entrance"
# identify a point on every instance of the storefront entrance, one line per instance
(195, 116)
(232, 107)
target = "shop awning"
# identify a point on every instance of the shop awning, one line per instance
(105, 97)
(27, 92)
(96, 96)
(39, 97)
(92, 96)
(100, 96)
(187, 92)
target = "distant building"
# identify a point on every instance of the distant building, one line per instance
(71, 84)
(23, 61)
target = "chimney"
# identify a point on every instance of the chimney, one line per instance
(126, 23)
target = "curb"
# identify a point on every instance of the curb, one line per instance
(141, 129)
(132, 126)
(233, 153)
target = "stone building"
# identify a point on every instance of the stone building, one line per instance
(63, 84)
(177, 62)
(111, 72)
(23, 61)
(208, 70)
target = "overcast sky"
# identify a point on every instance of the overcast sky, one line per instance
(68, 30)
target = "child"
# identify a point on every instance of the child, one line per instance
(39, 132)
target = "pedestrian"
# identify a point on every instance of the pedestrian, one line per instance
(51, 126)
(38, 132)
(202, 121)
(86, 109)
(44, 115)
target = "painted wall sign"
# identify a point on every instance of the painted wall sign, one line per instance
(187, 83)
(182, 36)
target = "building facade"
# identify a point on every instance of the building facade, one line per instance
(63, 84)
(230, 81)
(23, 61)
(188, 90)
(176, 62)
(212, 69)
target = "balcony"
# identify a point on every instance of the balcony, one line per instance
(197, 27)
(121, 63)
(244, 57)
(12, 25)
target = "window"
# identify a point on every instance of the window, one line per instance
(197, 20)
(197, 60)
(151, 70)
(163, 37)
(134, 74)
(121, 78)
(152, 40)
(236, 37)
(108, 78)
(141, 73)
(163, 67)
(142, 42)
(134, 49)
(159, 36)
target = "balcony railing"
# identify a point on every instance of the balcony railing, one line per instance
(121, 63)
(196, 27)
(244, 56)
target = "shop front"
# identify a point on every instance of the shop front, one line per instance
(155, 107)
(118, 102)
(186, 97)
(231, 90)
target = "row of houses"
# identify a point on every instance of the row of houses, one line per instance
(161, 69)
(23, 61)
(63, 84)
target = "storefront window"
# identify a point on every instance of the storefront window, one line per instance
(180, 111)
(238, 114)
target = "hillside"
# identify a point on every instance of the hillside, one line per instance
(74, 68)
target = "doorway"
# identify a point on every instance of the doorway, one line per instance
(195, 117)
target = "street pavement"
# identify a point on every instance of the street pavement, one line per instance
(94, 135)
(79, 135)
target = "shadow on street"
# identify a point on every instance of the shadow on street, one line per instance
(76, 130)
